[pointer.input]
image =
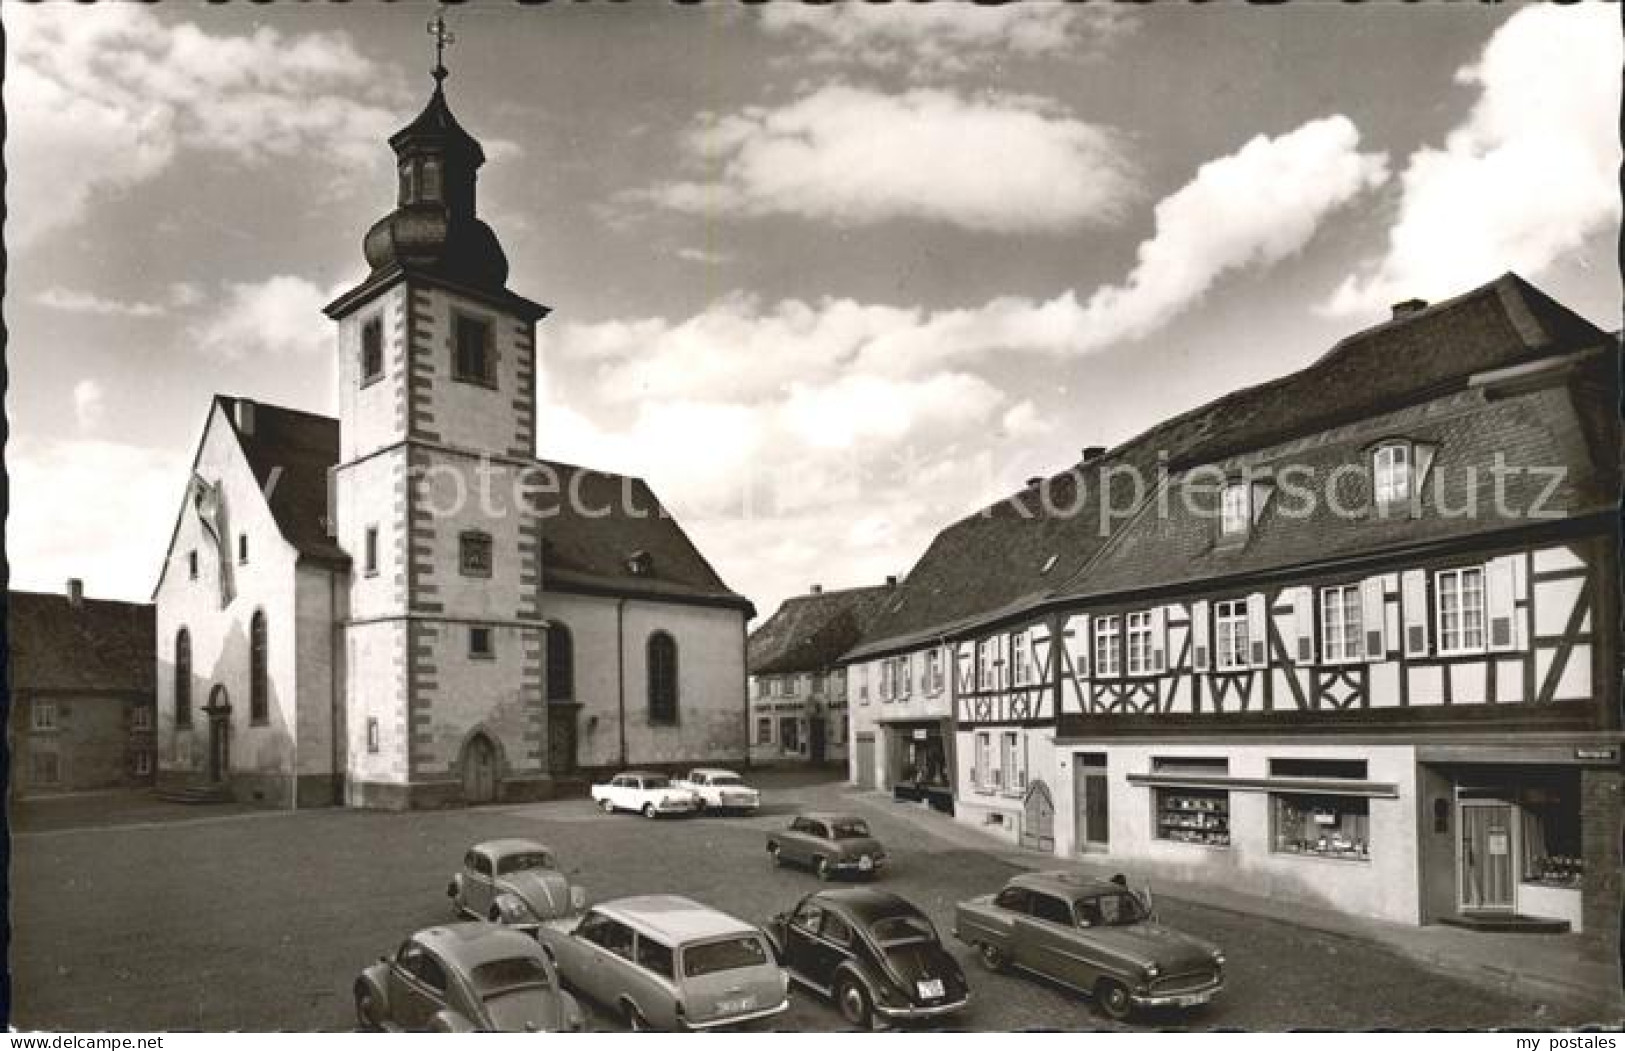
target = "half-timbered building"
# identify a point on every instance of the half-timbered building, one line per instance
(1358, 646)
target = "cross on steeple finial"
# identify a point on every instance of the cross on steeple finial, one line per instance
(443, 38)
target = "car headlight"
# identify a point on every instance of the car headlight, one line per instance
(1153, 971)
(513, 910)
(1218, 958)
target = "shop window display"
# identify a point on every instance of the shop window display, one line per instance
(1194, 815)
(1322, 826)
(1551, 832)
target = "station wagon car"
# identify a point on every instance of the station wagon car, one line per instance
(466, 977)
(873, 953)
(646, 793)
(721, 790)
(829, 844)
(512, 881)
(1096, 936)
(668, 963)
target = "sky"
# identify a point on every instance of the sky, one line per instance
(830, 278)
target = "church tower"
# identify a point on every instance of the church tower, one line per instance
(442, 645)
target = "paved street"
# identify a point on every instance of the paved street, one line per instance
(262, 921)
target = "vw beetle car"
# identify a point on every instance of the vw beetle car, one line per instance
(512, 881)
(646, 793)
(1096, 936)
(873, 953)
(668, 963)
(721, 790)
(466, 977)
(829, 844)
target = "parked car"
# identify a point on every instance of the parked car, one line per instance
(1096, 936)
(829, 844)
(720, 790)
(512, 881)
(668, 963)
(649, 794)
(465, 977)
(873, 953)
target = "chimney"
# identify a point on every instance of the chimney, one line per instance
(76, 592)
(245, 416)
(891, 582)
(1093, 452)
(816, 589)
(1409, 307)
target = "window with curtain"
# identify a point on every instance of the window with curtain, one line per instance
(662, 658)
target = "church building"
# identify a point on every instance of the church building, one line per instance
(404, 607)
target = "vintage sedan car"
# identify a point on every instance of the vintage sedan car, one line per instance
(668, 963)
(646, 793)
(721, 790)
(877, 956)
(829, 844)
(512, 881)
(466, 977)
(1096, 936)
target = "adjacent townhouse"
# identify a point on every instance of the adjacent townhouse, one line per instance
(81, 716)
(799, 694)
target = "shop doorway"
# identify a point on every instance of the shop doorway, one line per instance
(815, 738)
(866, 761)
(1487, 856)
(1089, 802)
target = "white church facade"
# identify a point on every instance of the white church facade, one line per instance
(404, 607)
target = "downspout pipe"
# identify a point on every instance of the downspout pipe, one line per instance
(620, 674)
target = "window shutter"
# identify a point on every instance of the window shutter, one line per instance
(1372, 618)
(1422, 457)
(1257, 630)
(1039, 636)
(965, 663)
(1082, 644)
(1199, 635)
(1413, 585)
(1303, 624)
(1499, 600)
(1159, 638)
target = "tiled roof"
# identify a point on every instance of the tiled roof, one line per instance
(290, 453)
(991, 564)
(811, 632)
(592, 545)
(96, 646)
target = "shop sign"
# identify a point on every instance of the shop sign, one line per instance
(1606, 755)
(1500, 843)
(920, 735)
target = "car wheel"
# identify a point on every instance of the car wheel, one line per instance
(773, 852)
(824, 870)
(366, 1009)
(1113, 999)
(699, 805)
(634, 1018)
(992, 957)
(853, 1000)
(608, 806)
(649, 811)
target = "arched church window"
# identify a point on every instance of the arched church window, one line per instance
(662, 657)
(183, 678)
(561, 663)
(259, 701)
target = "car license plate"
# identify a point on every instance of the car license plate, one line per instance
(930, 989)
(733, 1007)
(1192, 999)
(866, 863)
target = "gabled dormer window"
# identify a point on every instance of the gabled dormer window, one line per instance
(1392, 474)
(1235, 510)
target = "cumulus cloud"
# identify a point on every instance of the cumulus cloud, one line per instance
(75, 524)
(853, 156)
(280, 316)
(101, 98)
(945, 37)
(89, 404)
(1526, 178)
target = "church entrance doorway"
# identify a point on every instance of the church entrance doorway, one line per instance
(219, 712)
(479, 770)
(561, 737)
